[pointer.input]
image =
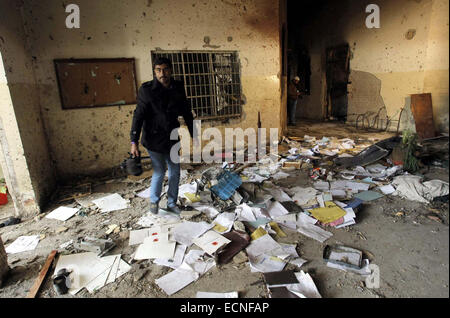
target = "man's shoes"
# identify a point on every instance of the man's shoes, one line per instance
(174, 209)
(154, 208)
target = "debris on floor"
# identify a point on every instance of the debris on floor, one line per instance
(238, 214)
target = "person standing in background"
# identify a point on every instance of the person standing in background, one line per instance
(293, 94)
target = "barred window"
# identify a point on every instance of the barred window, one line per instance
(211, 80)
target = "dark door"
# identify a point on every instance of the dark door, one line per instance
(337, 72)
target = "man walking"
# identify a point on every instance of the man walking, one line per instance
(293, 94)
(160, 102)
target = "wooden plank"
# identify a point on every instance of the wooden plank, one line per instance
(422, 110)
(37, 284)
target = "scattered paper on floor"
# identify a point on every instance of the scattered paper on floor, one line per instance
(111, 202)
(177, 260)
(185, 232)
(305, 288)
(211, 241)
(155, 246)
(23, 244)
(305, 226)
(62, 213)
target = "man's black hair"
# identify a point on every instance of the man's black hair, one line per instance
(162, 60)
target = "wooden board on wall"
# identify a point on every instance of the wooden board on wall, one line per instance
(96, 82)
(422, 110)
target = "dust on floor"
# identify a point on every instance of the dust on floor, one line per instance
(409, 241)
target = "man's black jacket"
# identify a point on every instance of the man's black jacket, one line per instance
(157, 112)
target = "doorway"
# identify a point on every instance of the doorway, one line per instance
(337, 74)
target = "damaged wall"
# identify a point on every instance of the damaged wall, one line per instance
(25, 158)
(93, 140)
(408, 54)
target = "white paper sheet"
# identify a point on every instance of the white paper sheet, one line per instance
(138, 236)
(216, 295)
(287, 220)
(279, 195)
(150, 220)
(387, 189)
(176, 280)
(111, 202)
(187, 188)
(290, 249)
(298, 261)
(265, 245)
(144, 194)
(225, 219)
(303, 195)
(277, 209)
(209, 211)
(306, 227)
(244, 213)
(305, 288)
(23, 244)
(320, 200)
(211, 241)
(178, 258)
(62, 213)
(266, 263)
(108, 275)
(352, 186)
(157, 246)
(186, 231)
(190, 270)
(322, 185)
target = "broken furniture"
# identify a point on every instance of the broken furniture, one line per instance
(371, 154)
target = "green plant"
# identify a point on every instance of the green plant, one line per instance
(409, 142)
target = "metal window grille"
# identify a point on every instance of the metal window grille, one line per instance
(211, 80)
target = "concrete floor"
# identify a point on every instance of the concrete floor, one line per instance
(411, 249)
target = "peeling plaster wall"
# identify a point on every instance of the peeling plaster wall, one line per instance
(25, 159)
(90, 141)
(386, 66)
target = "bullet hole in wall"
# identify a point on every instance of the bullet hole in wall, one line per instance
(410, 34)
